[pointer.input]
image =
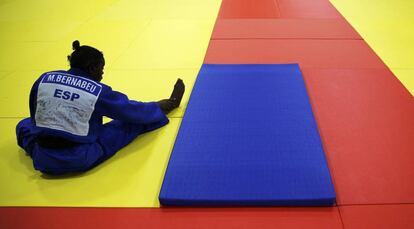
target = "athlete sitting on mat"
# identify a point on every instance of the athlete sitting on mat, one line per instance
(65, 133)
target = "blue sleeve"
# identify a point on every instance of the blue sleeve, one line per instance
(117, 106)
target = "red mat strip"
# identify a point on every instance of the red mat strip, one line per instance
(249, 9)
(307, 9)
(284, 28)
(366, 121)
(278, 9)
(378, 216)
(208, 218)
(308, 53)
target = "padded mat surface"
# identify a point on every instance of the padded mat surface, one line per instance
(387, 27)
(132, 178)
(366, 119)
(284, 29)
(308, 53)
(249, 9)
(405, 75)
(248, 137)
(183, 218)
(307, 9)
(399, 216)
(168, 44)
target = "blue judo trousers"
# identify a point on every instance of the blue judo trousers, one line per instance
(70, 106)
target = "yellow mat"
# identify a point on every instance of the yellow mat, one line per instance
(131, 178)
(388, 27)
(168, 44)
(406, 76)
(144, 34)
(29, 28)
(4, 74)
(14, 93)
(147, 45)
(113, 38)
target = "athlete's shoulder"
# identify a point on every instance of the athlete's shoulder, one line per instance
(51, 72)
(105, 88)
(55, 71)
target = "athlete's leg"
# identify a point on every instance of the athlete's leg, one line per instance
(115, 135)
(25, 135)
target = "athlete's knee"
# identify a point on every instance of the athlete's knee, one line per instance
(23, 130)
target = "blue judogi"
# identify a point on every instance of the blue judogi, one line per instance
(70, 106)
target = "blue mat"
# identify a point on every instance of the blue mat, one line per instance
(248, 138)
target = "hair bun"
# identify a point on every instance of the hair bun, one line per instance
(76, 45)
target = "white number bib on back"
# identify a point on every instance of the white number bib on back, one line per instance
(66, 102)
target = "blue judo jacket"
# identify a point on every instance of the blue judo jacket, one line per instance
(68, 104)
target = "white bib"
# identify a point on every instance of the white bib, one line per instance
(66, 102)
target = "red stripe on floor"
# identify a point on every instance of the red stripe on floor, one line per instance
(307, 9)
(378, 216)
(366, 120)
(125, 218)
(249, 9)
(308, 53)
(284, 29)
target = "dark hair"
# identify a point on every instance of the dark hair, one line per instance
(85, 57)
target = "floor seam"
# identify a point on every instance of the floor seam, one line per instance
(276, 38)
(374, 204)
